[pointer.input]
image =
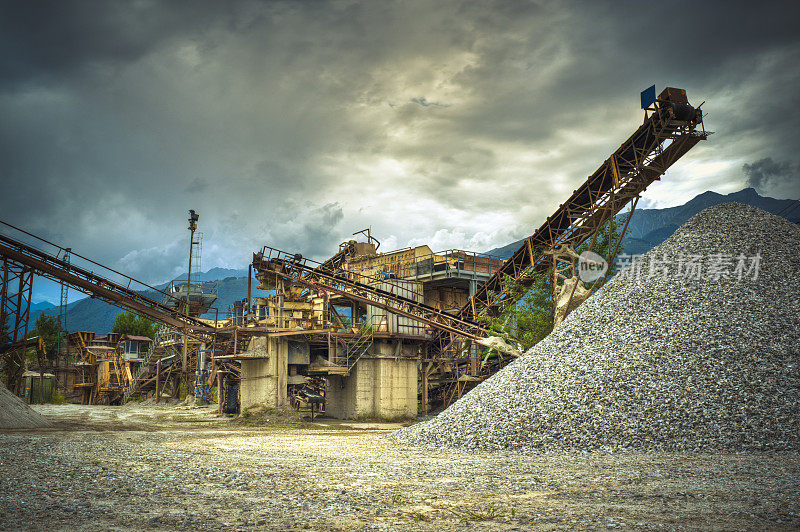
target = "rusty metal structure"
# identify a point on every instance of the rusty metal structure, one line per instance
(271, 263)
(118, 293)
(15, 307)
(105, 365)
(671, 127)
(405, 304)
(21, 260)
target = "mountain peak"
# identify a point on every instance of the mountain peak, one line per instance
(42, 305)
(215, 274)
(707, 194)
(748, 192)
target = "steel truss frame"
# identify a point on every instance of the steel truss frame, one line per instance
(56, 268)
(643, 158)
(274, 262)
(16, 288)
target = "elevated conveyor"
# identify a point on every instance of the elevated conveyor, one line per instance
(671, 128)
(53, 266)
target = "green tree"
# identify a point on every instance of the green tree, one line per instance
(527, 314)
(132, 323)
(48, 328)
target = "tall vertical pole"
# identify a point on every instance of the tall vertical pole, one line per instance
(4, 298)
(554, 290)
(193, 217)
(281, 294)
(21, 310)
(220, 394)
(62, 310)
(199, 382)
(425, 373)
(249, 284)
(158, 380)
(4, 308)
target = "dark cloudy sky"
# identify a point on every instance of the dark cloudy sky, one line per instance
(294, 124)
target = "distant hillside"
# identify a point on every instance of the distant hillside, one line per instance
(216, 274)
(650, 227)
(41, 305)
(38, 308)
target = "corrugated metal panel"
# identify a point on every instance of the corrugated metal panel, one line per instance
(408, 289)
(395, 324)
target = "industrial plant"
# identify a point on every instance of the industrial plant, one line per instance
(356, 266)
(365, 334)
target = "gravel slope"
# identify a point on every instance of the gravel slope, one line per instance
(15, 414)
(663, 363)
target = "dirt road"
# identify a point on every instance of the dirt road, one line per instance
(183, 468)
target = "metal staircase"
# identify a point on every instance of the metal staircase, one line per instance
(161, 335)
(356, 347)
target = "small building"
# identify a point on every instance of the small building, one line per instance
(134, 348)
(38, 387)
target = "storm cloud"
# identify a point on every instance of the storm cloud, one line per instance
(294, 124)
(766, 173)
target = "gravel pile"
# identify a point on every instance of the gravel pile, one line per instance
(666, 361)
(15, 414)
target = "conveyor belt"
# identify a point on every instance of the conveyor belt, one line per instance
(660, 141)
(53, 267)
(643, 158)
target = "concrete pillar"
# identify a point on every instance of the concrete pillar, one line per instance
(264, 378)
(377, 388)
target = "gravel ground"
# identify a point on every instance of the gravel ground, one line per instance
(184, 469)
(659, 361)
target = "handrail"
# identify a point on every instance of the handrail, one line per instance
(86, 281)
(75, 254)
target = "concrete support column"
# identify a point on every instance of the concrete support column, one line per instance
(263, 379)
(377, 388)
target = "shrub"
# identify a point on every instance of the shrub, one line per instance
(57, 399)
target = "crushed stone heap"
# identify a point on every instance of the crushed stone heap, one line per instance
(15, 414)
(660, 362)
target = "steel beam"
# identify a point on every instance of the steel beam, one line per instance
(99, 287)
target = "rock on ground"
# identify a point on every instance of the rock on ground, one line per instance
(107, 470)
(658, 361)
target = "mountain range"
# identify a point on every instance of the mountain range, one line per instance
(214, 274)
(647, 229)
